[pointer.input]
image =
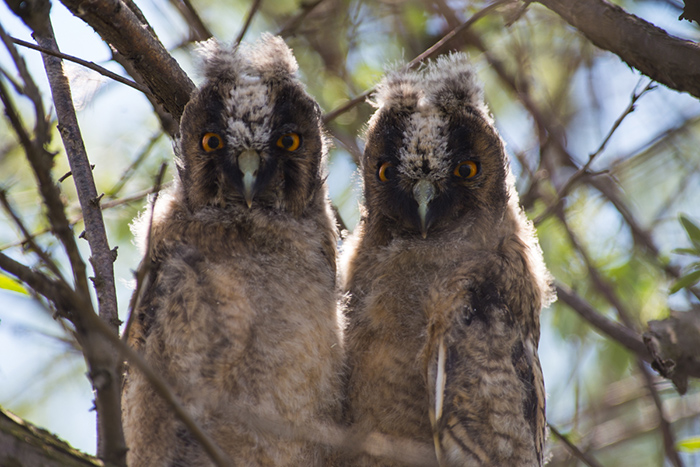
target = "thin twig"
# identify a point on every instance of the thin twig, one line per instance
(131, 170)
(584, 170)
(144, 268)
(580, 455)
(91, 65)
(664, 425)
(198, 30)
(125, 31)
(139, 195)
(43, 255)
(606, 290)
(41, 127)
(447, 37)
(249, 19)
(333, 114)
(291, 25)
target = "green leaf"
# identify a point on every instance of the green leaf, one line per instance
(7, 283)
(692, 229)
(689, 445)
(687, 251)
(685, 281)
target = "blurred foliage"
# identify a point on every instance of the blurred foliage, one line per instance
(553, 90)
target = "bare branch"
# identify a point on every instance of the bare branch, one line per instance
(43, 255)
(102, 255)
(583, 171)
(249, 19)
(290, 26)
(139, 195)
(333, 114)
(120, 27)
(586, 459)
(664, 424)
(669, 60)
(41, 162)
(612, 329)
(198, 30)
(91, 65)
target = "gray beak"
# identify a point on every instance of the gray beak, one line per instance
(423, 193)
(248, 163)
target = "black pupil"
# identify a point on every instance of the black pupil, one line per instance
(213, 142)
(287, 141)
(389, 172)
(465, 170)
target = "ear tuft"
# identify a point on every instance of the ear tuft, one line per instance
(269, 59)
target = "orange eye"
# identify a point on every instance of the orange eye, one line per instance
(386, 172)
(466, 169)
(211, 142)
(289, 141)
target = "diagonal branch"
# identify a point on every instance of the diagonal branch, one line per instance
(120, 26)
(91, 65)
(586, 459)
(248, 20)
(616, 331)
(102, 256)
(669, 60)
(430, 51)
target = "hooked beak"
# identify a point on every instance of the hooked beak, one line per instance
(423, 193)
(248, 163)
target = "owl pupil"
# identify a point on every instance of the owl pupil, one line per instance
(213, 142)
(287, 141)
(465, 170)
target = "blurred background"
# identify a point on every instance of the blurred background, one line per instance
(556, 99)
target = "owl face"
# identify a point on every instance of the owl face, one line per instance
(251, 136)
(433, 160)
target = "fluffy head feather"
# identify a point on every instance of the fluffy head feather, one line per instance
(428, 122)
(251, 101)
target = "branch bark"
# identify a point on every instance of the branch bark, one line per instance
(121, 28)
(22, 443)
(664, 58)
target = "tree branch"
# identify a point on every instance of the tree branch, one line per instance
(91, 65)
(102, 256)
(589, 461)
(120, 27)
(669, 60)
(621, 334)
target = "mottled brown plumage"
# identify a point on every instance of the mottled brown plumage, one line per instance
(445, 280)
(239, 311)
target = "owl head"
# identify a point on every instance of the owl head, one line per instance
(250, 137)
(433, 160)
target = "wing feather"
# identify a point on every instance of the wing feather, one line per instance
(485, 387)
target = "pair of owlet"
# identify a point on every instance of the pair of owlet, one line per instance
(444, 277)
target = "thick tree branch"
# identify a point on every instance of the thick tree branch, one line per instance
(120, 27)
(669, 60)
(22, 443)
